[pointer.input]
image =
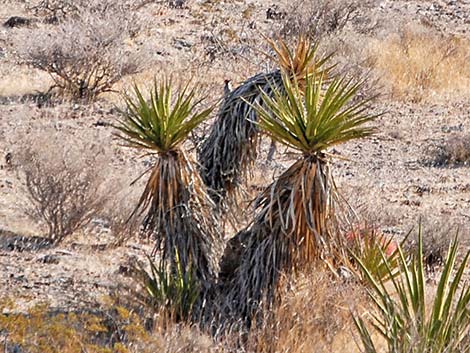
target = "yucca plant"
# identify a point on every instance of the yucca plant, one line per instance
(231, 147)
(376, 251)
(404, 317)
(296, 217)
(175, 291)
(177, 209)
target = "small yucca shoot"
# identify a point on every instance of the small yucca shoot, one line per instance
(376, 251)
(296, 219)
(404, 317)
(178, 213)
(177, 291)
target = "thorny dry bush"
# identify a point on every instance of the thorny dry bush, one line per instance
(318, 18)
(85, 54)
(62, 189)
(453, 152)
(55, 11)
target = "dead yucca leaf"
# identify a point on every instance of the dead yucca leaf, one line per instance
(297, 217)
(231, 147)
(299, 62)
(178, 210)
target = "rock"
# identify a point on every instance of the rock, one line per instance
(17, 21)
(182, 44)
(49, 259)
(274, 13)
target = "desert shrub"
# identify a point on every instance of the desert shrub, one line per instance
(53, 10)
(455, 151)
(437, 237)
(320, 17)
(405, 319)
(56, 11)
(417, 64)
(62, 195)
(86, 54)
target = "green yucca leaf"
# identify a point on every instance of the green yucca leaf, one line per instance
(401, 313)
(317, 119)
(161, 122)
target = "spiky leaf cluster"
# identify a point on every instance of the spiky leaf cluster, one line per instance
(405, 318)
(317, 118)
(165, 121)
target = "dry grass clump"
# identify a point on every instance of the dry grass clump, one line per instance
(451, 153)
(314, 316)
(85, 54)
(62, 189)
(418, 64)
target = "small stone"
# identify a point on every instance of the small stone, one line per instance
(49, 259)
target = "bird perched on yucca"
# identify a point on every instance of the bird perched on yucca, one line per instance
(231, 147)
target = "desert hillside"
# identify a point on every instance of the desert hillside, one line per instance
(413, 57)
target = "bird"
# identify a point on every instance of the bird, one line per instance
(227, 87)
(8, 159)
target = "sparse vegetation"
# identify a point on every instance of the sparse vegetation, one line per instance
(62, 194)
(45, 330)
(453, 152)
(87, 264)
(85, 54)
(418, 65)
(319, 18)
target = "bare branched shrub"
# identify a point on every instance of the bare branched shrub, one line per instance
(53, 10)
(86, 54)
(62, 195)
(453, 152)
(320, 17)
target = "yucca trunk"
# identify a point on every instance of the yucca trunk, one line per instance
(179, 217)
(232, 145)
(295, 224)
